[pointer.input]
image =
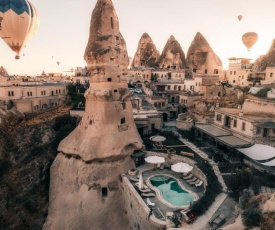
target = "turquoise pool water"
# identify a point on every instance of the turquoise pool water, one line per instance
(171, 191)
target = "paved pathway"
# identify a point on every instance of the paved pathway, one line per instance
(202, 221)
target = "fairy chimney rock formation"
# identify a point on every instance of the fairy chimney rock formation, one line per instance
(107, 128)
(3, 71)
(201, 58)
(85, 176)
(172, 55)
(267, 60)
(147, 54)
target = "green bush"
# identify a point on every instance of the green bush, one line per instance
(262, 92)
(252, 217)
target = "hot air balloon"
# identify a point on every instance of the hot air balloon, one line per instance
(19, 21)
(240, 17)
(58, 63)
(249, 39)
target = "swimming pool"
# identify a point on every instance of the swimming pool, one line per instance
(171, 191)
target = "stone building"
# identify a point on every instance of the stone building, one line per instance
(32, 96)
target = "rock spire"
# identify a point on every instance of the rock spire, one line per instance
(267, 60)
(172, 55)
(147, 54)
(201, 58)
(86, 175)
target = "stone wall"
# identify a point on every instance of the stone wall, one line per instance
(136, 209)
(184, 125)
(258, 106)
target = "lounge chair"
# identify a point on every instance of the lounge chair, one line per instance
(144, 186)
(158, 166)
(161, 166)
(191, 180)
(195, 182)
(149, 202)
(144, 190)
(148, 195)
(188, 177)
(133, 179)
(199, 184)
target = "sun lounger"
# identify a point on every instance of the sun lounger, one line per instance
(133, 179)
(161, 167)
(145, 190)
(144, 186)
(148, 195)
(188, 177)
(191, 180)
(199, 184)
(195, 182)
(149, 202)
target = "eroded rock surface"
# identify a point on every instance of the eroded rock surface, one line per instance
(147, 54)
(201, 58)
(267, 60)
(172, 55)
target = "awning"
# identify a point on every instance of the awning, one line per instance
(234, 142)
(259, 152)
(212, 130)
(140, 126)
(138, 154)
(269, 163)
(266, 125)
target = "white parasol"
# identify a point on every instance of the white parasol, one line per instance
(154, 160)
(157, 138)
(181, 167)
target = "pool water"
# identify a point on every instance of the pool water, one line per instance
(171, 191)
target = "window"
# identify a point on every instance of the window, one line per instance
(258, 130)
(234, 72)
(10, 93)
(91, 122)
(234, 81)
(153, 126)
(271, 74)
(112, 23)
(168, 87)
(230, 72)
(243, 126)
(163, 104)
(122, 120)
(123, 104)
(109, 79)
(175, 87)
(205, 71)
(219, 117)
(104, 192)
(235, 123)
(273, 130)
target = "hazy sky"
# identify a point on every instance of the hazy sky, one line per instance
(63, 32)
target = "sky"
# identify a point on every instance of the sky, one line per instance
(64, 30)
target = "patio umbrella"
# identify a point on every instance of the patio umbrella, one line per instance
(157, 138)
(140, 182)
(155, 160)
(181, 167)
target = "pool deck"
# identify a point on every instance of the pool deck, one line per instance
(202, 222)
(148, 171)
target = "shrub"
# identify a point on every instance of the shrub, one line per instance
(262, 92)
(252, 217)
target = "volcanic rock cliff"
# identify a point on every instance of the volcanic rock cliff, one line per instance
(201, 58)
(172, 55)
(86, 174)
(147, 54)
(267, 60)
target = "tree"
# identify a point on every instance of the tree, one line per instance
(251, 217)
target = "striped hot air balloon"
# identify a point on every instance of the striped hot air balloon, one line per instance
(19, 21)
